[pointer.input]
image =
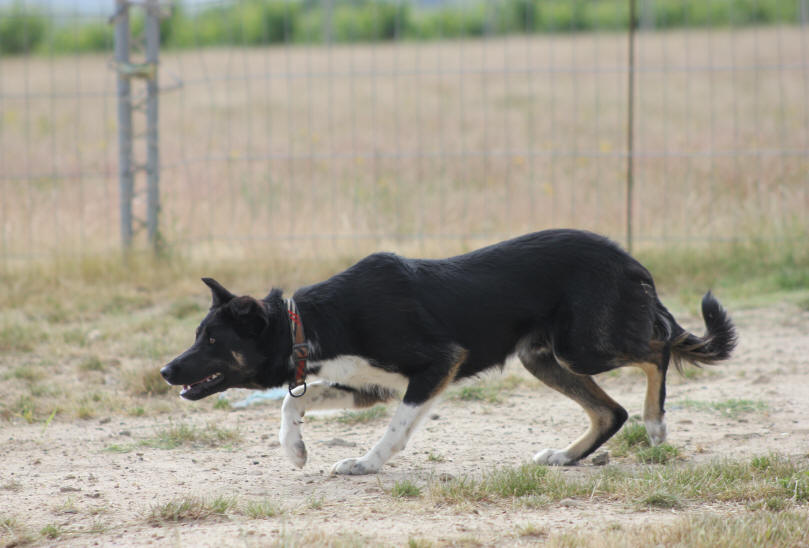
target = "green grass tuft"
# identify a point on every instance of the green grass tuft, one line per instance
(20, 337)
(14, 533)
(261, 509)
(177, 435)
(405, 489)
(51, 531)
(118, 448)
(221, 403)
(145, 382)
(364, 416)
(732, 408)
(658, 454)
(314, 503)
(476, 393)
(630, 438)
(92, 363)
(29, 373)
(489, 390)
(661, 499)
(189, 509)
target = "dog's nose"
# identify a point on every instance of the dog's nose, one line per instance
(166, 372)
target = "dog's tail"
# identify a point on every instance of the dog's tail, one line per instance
(716, 345)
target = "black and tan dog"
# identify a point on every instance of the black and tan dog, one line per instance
(570, 304)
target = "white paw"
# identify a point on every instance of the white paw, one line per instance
(292, 442)
(552, 457)
(656, 431)
(354, 467)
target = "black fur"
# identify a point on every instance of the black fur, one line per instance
(571, 295)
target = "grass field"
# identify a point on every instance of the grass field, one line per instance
(431, 147)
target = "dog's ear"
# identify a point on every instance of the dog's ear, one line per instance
(218, 292)
(274, 296)
(250, 313)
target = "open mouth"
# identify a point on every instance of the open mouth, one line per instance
(202, 388)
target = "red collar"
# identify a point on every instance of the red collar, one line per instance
(300, 349)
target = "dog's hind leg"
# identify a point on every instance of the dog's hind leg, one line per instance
(320, 395)
(653, 406)
(606, 415)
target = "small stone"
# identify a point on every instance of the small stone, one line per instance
(601, 459)
(570, 503)
(338, 442)
(105, 420)
(435, 417)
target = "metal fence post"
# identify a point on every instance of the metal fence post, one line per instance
(152, 32)
(147, 70)
(125, 173)
(630, 127)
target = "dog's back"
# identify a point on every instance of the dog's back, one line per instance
(556, 285)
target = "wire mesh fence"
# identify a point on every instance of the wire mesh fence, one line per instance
(348, 133)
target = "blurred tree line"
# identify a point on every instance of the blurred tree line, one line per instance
(258, 22)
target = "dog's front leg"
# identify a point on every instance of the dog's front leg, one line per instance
(419, 397)
(319, 395)
(400, 429)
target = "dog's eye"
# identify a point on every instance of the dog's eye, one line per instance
(211, 340)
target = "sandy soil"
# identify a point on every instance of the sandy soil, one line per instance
(64, 475)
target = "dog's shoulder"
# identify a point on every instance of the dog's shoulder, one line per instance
(383, 269)
(385, 262)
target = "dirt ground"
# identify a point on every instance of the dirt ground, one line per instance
(65, 474)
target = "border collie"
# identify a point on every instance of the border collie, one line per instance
(569, 304)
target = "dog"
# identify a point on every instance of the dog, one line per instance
(570, 304)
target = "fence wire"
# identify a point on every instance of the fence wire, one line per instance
(388, 140)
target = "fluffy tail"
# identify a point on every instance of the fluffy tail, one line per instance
(716, 345)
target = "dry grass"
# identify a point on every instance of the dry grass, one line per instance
(767, 481)
(15, 533)
(703, 530)
(358, 146)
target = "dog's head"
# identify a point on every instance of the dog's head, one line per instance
(242, 343)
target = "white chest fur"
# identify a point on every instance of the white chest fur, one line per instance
(356, 372)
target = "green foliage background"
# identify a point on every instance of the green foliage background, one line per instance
(256, 22)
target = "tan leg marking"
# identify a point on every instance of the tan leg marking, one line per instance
(453, 371)
(653, 416)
